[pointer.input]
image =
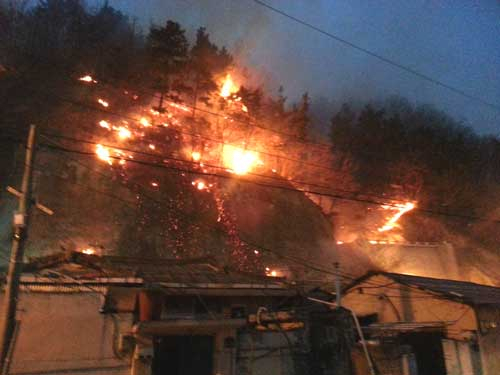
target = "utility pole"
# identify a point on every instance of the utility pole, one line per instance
(21, 218)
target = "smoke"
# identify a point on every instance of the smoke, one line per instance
(436, 39)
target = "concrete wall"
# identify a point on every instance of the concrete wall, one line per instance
(489, 339)
(64, 333)
(393, 302)
(461, 358)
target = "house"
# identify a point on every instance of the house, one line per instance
(89, 314)
(426, 326)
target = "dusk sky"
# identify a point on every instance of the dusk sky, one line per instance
(456, 42)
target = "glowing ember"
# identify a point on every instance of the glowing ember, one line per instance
(272, 273)
(144, 122)
(104, 124)
(87, 78)
(103, 154)
(340, 242)
(154, 184)
(152, 146)
(200, 185)
(103, 102)
(239, 161)
(401, 209)
(228, 87)
(88, 251)
(123, 132)
(244, 108)
(196, 156)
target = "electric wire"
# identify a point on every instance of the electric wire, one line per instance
(245, 180)
(379, 57)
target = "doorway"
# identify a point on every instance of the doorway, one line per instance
(183, 355)
(428, 352)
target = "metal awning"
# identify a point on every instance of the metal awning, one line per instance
(405, 327)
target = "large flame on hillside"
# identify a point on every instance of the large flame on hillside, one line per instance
(228, 87)
(392, 221)
(240, 161)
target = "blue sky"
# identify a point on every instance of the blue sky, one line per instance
(457, 42)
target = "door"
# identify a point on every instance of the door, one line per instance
(183, 355)
(428, 352)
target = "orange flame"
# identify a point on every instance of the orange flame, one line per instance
(88, 79)
(103, 154)
(401, 209)
(228, 87)
(144, 122)
(104, 124)
(103, 102)
(196, 156)
(239, 161)
(199, 184)
(123, 132)
(88, 251)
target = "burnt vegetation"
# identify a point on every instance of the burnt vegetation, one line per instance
(390, 150)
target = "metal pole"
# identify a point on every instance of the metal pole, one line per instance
(363, 343)
(7, 319)
(359, 330)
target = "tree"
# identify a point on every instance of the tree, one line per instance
(300, 121)
(205, 63)
(168, 49)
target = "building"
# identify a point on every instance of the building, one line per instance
(88, 314)
(426, 326)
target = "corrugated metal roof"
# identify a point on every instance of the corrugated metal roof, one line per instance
(469, 293)
(81, 268)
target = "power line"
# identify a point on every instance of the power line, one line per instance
(198, 136)
(233, 118)
(283, 187)
(379, 57)
(257, 183)
(303, 262)
(197, 164)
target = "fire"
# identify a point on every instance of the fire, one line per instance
(152, 146)
(88, 251)
(103, 154)
(104, 124)
(179, 106)
(272, 273)
(199, 184)
(103, 102)
(87, 78)
(123, 132)
(228, 87)
(144, 122)
(401, 209)
(196, 156)
(240, 161)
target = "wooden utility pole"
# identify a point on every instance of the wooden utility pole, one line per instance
(21, 218)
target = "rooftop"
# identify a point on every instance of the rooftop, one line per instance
(78, 268)
(462, 291)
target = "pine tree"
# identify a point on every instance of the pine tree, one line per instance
(168, 48)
